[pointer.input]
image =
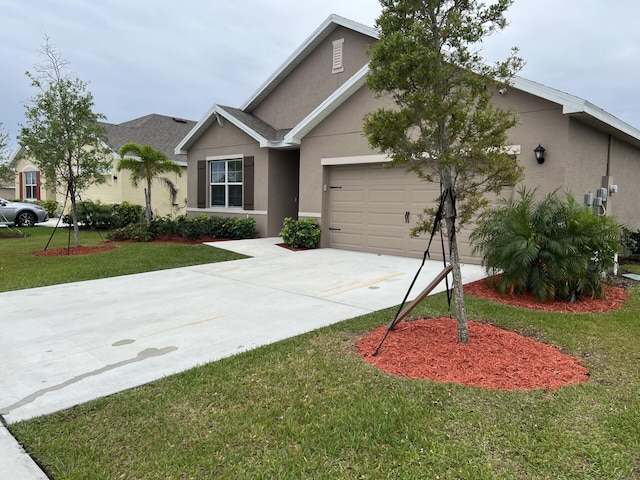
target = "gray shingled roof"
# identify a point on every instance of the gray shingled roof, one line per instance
(257, 125)
(159, 131)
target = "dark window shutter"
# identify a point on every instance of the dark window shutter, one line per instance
(202, 184)
(247, 183)
(38, 185)
(21, 194)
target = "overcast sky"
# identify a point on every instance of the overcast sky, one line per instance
(179, 58)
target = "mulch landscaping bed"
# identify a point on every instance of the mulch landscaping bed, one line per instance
(494, 358)
(81, 250)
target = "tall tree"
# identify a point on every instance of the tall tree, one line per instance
(444, 126)
(149, 164)
(62, 133)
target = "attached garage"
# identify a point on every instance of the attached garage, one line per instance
(372, 208)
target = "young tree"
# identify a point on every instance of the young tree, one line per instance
(6, 172)
(62, 133)
(444, 126)
(148, 164)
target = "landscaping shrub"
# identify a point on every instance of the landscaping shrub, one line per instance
(50, 206)
(555, 249)
(631, 241)
(92, 215)
(125, 213)
(304, 233)
(138, 232)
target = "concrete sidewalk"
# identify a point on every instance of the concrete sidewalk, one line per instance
(68, 344)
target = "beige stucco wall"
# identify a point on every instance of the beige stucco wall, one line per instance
(311, 82)
(229, 140)
(117, 191)
(624, 170)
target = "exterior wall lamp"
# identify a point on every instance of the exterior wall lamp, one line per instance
(539, 151)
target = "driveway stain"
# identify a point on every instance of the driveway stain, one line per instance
(143, 355)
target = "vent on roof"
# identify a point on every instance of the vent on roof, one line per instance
(337, 56)
(179, 120)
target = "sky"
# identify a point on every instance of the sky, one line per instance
(179, 58)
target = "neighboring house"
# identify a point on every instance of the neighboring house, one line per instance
(161, 132)
(296, 148)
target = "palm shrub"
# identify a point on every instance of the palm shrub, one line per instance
(556, 248)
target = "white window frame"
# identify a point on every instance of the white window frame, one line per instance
(30, 186)
(226, 183)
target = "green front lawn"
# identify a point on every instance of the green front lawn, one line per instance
(310, 408)
(20, 269)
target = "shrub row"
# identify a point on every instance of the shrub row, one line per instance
(106, 216)
(192, 229)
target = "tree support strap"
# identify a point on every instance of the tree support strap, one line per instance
(400, 314)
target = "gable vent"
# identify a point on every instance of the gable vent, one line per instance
(337, 56)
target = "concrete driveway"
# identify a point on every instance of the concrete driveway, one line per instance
(68, 344)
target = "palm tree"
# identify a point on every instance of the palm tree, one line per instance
(148, 164)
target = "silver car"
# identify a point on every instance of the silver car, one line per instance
(21, 214)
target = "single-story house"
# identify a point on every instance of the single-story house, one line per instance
(296, 148)
(159, 131)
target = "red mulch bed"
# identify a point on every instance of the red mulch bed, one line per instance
(81, 250)
(614, 298)
(494, 358)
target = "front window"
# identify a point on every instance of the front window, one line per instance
(30, 186)
(226, 183)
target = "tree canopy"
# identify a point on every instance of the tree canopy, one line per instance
(444, 126)
(62, 134)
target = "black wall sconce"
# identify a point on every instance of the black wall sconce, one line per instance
(539, 151)
(115, 178)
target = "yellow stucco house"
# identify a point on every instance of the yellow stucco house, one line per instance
(161, 132)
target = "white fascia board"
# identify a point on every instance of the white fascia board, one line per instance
(574, 105)
(303, 50)
(208, 120)
(196, 131)
(337, 98)
(252, 133)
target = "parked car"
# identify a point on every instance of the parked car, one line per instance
(21, 214)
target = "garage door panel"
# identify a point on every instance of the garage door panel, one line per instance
(369, 208)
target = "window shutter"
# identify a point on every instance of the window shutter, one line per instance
(21, 194)
(38, 185)
(247, 183)
(202, 184)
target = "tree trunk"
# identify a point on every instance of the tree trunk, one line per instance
(147, 197)
(458, 293)
(74, 216)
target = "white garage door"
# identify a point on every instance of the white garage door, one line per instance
(372, 209)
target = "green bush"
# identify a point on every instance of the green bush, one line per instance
(555, 249)
(304, 233)
(204, 226)
(92, 215)
(126, 213)
(138, 232)
(631, 241)
(50, 206)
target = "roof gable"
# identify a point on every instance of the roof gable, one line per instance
(159, 131)
(308, 46)
(268, 136)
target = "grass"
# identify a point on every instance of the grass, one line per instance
(20, 269)
(309, 408)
